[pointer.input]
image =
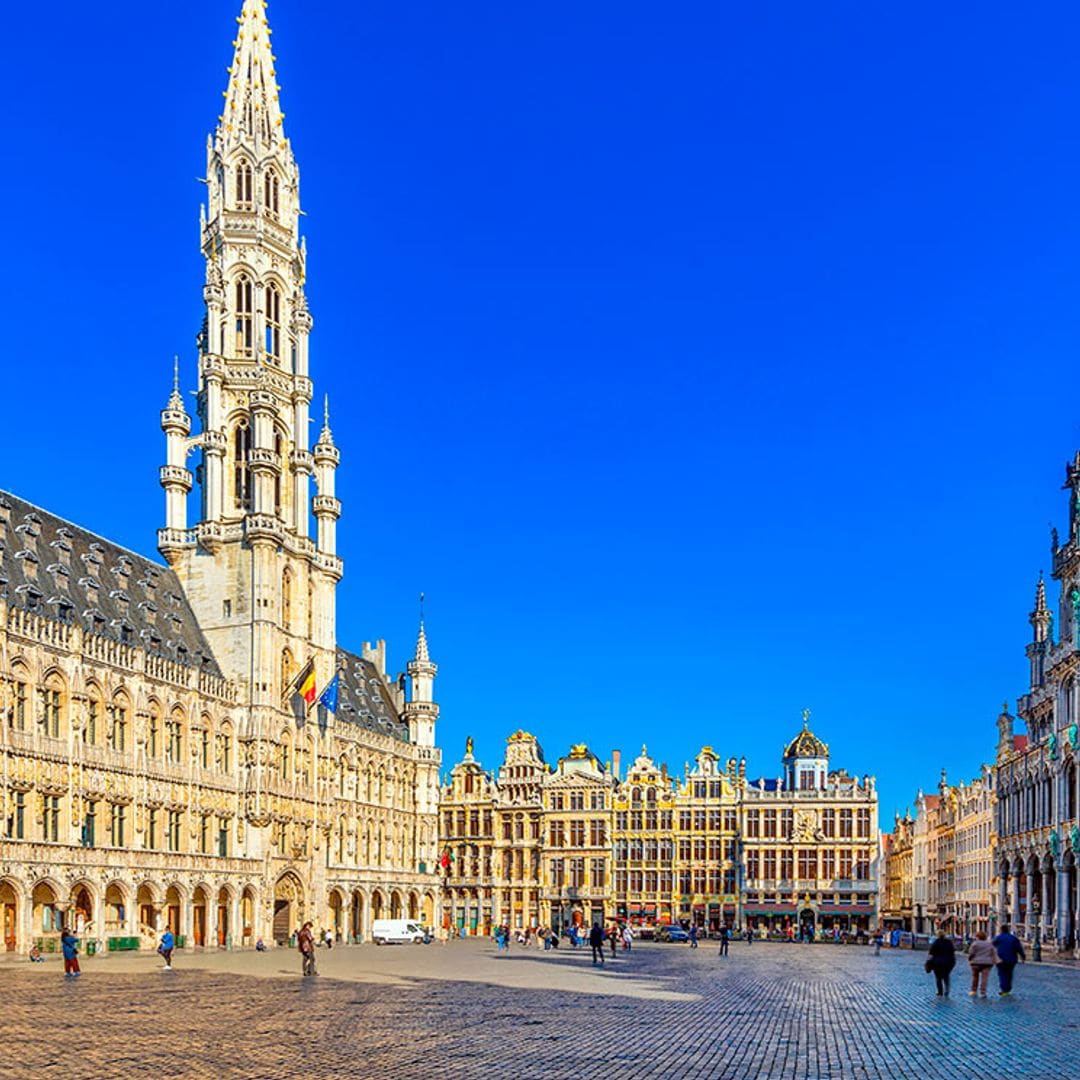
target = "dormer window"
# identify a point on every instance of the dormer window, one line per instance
(29, 563)
(62, 548)
(57, 568)
(31, 596)
(30, 524)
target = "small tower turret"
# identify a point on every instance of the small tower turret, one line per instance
(1042, 632)
(174, 475)
(421, 710)
(1005, 733)
(326, 507)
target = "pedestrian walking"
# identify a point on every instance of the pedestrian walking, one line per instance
(693, 936)
(879, 940)
(596, 940)
(627, 937)
(305, 942)
(168, 943)
(328, 937)
(725, 940)
(941, 961)
(1010, 951)
(749, 935)
(982, 956)
(69, 945)
(614, 937)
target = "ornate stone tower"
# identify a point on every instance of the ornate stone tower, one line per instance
(421, 710)
(263, 591)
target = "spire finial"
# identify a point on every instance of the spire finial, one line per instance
(326, 409)
(806, 718)
(176, 401)
(421, 638)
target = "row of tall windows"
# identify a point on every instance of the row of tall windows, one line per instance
(244, 189)
(813, 864)
(571, 873)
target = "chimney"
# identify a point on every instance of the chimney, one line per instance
(616, 760)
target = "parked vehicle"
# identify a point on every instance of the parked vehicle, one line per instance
(399, 932)
(672, 933)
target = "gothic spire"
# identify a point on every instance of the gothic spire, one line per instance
(421, 646)
(176, 400)
(252, 111)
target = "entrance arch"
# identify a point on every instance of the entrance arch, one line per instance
(81, 916)
(115, 909)
(376, 905)
(247, 914)
(336, 916)
(395, 905)
(9, 915)
(173, 906)
(46, 915)
(429, 910)
(414, 906)
(224, 904)
(146, 905)
(807, 923)
(357, 922)
(198, 916)
(288, 906)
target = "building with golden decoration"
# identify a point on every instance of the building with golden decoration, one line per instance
(810, 845)
(156, 769)
(709, 848)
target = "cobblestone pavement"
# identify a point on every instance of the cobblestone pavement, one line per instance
(817, 1012)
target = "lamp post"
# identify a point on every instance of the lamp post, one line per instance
(1036, 945)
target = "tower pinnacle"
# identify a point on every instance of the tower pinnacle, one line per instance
(251, 107)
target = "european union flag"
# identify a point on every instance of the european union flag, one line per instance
(329, 696)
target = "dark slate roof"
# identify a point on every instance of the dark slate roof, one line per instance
(364, 699)
(64, 572)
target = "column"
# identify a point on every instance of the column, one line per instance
(1048, 908)
(1014, 907)
(1063, 907)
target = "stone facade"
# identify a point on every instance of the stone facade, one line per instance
(158, 766)
(1037, 816)
(939, 869)
(535, 846)
(810, 845)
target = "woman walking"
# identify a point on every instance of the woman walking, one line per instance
(982, 958)
(941, 961)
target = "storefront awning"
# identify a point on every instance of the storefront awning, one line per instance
(770, 909)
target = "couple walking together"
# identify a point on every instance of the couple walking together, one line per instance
(1004, 952)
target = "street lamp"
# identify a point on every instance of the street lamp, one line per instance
(1036, 945)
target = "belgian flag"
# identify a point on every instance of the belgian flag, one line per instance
(303, 686)
(305, 683)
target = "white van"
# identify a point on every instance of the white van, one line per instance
(397, 932)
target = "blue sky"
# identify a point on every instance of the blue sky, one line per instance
(699, 366)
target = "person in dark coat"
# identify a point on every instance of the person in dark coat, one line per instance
(1009, 950)
(596, 940)
(941, 961)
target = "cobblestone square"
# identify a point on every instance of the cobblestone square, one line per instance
(769, 1010)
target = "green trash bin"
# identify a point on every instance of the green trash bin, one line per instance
(91, 947)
